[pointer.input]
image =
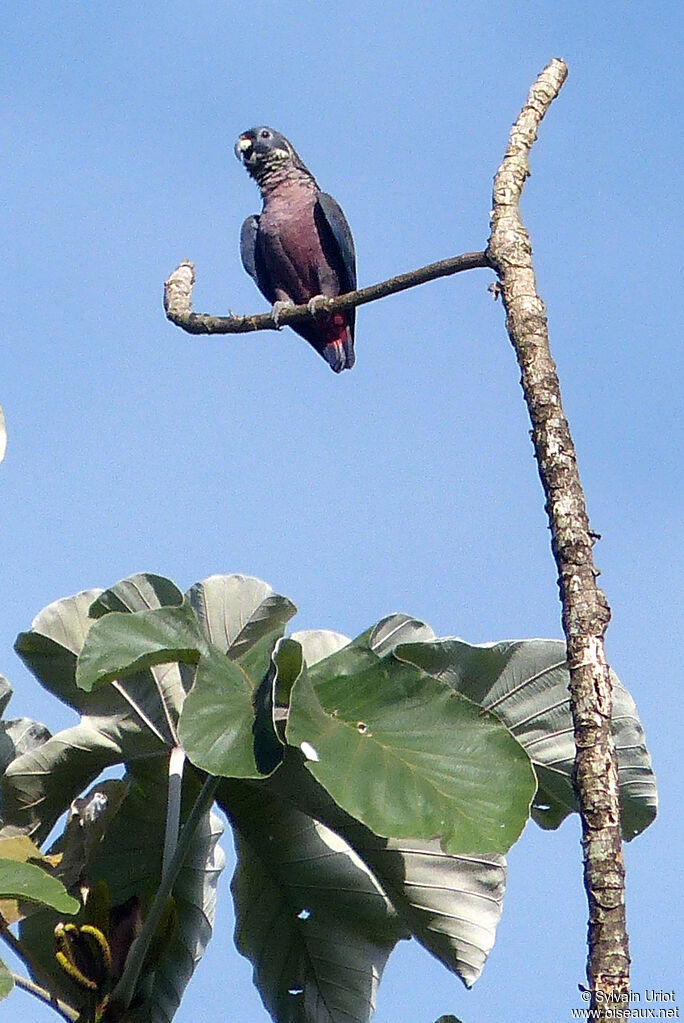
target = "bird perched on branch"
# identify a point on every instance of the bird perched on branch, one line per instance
(299, 247)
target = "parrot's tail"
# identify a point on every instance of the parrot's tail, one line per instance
(339, 351)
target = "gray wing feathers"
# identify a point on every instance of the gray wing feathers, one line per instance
(337, 222)
(248, 240)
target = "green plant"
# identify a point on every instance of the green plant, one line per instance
(373, 787)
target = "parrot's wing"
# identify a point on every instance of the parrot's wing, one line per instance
(331, 214)
(248, 238)
(252, 258)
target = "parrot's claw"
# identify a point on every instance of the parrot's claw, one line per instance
(278, 309)
(317, 306)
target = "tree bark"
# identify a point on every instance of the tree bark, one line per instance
(585, 610)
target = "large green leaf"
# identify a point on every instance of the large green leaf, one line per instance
(50, 650)
(40, 785)
(216, 726)
(25, 881)
(236, 611)
(50, 647)
(123, 643)
(525, 683)
(242, 618)
(125, 721)
(141, 592)
(136, 593)
(21, 848)
(450, 904)
(226, 625)
(402, 753)
(136, 716)
(19, 735)
(309, 914)
(121, 722)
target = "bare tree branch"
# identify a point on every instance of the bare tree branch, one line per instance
(178, 298)
(585, 610)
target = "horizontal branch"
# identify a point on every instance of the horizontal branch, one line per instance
(178, 297)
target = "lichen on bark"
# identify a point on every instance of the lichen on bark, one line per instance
(585, 610)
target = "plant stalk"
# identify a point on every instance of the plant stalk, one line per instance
(125, 989)
(66, 1011)
(173, 808)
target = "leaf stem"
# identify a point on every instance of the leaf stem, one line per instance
(125, 989)
(173, 809)
(66, 1011)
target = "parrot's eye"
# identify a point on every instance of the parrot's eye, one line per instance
(265, 134)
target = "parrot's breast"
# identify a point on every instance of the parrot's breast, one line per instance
(292, 249)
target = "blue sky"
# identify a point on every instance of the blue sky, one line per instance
(408, 484)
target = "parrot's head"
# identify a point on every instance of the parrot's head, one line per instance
(263, 150)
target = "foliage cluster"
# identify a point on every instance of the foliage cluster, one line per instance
(373, 787)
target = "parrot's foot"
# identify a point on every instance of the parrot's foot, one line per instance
(278, 308)
(317, 306)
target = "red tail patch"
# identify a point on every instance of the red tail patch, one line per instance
(339, 347)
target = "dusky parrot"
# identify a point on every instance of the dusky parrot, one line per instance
(300, 245)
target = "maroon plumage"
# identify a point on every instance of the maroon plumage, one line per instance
(300, 246)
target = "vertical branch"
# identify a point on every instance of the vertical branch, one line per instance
(585, 610)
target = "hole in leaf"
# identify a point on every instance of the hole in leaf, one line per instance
(362, 727)
(304, 914)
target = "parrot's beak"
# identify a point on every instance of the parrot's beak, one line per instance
(243, 146)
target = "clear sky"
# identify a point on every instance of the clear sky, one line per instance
(409, 483)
